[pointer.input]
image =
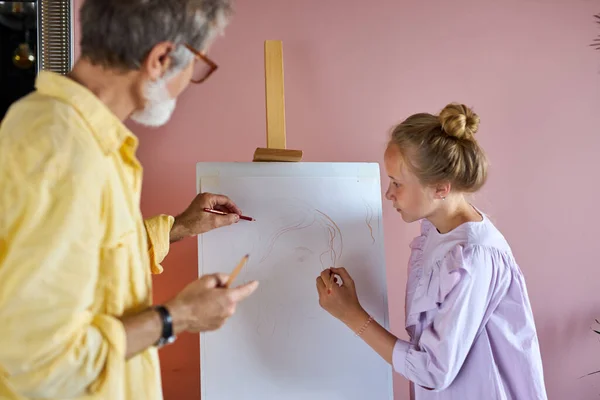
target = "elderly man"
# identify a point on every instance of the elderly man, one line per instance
(76, 317)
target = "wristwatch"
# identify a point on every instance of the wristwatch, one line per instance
(167, 336)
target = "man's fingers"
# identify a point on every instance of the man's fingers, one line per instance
(232, 218)
(214, 280)
(222, 279)
(225, 204)
(241, 292)
(225, 220)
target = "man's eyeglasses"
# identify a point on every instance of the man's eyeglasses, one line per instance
(203, 69)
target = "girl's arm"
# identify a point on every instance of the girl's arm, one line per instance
(443, 346)
(372, 333)
(342, 302)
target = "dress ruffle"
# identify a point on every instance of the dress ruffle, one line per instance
(432, 283)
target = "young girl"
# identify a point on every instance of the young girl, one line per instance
(471, 328)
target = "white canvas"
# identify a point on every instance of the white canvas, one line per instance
(280, 344)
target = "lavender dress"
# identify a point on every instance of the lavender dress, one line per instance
(468, 315)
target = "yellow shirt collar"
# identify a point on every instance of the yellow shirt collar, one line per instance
(110, 132)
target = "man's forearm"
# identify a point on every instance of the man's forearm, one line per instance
(144, 329)
(178, 231)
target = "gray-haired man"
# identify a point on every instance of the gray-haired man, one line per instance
(75, 255)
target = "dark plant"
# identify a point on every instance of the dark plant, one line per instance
(596, 43)
(598, 322)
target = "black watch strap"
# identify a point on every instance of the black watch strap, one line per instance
(167, 336)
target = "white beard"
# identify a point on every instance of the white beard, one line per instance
(159, 106)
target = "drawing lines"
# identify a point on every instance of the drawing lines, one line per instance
(283, 231)
(334, 233)
(369, 219)
(297, 215)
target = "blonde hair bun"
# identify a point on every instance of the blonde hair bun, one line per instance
(459, 121)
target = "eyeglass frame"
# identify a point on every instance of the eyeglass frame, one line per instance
(213, 66)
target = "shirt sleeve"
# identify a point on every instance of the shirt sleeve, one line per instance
(54, 343)
(465, 280)
(158, 229)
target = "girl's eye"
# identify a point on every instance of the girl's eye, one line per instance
(396, 184)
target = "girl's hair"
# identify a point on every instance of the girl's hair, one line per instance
(442, 148)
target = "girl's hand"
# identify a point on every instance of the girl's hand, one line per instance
(341, 301)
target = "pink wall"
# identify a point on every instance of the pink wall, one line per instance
(354, 68)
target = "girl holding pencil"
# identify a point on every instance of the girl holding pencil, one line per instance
(468, 316)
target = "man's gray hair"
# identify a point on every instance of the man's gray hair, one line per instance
(121, 33)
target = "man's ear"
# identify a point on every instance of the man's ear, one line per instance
(158, 60)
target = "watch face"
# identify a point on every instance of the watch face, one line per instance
(163, 342)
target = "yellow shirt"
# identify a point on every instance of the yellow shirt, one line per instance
(75, 253)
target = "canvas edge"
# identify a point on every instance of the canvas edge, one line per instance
(364, 169)
(200, 271)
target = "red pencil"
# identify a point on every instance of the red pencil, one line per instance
(210, 210)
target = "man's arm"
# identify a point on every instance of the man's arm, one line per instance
(53, 342)
(179, 230)
(163, 230)
(53, 345)
(195, 221)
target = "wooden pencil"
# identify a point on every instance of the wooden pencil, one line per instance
(237, 270)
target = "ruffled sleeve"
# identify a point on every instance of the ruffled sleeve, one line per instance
(459, 287)
(415, 273)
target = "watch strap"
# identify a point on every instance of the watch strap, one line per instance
(167, 335)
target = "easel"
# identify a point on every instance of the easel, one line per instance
(275, 105)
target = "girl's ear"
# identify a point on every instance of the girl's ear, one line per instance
(442, 190)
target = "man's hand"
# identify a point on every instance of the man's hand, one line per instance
(195, 221)
(205, 305)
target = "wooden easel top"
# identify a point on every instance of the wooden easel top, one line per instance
(275, 106)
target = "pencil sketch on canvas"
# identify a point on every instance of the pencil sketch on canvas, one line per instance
(304, 224)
